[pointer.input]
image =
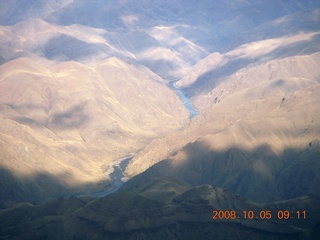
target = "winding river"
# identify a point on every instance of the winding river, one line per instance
(186, 101)
(115, 171)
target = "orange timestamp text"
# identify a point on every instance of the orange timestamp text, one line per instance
(262, 214)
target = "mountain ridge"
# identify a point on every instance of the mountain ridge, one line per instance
(85, 84)
(100, 218)
(64, 113)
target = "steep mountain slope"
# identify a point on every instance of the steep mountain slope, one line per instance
(188, 216)
(167, 36)
(218, 68)
(257, 121)
(55, 119)
(43, 41)
(79, 89)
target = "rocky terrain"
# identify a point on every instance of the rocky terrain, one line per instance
(84, 84)
(68, 120)
(188, 215)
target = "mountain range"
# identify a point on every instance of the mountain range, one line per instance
(84, 84)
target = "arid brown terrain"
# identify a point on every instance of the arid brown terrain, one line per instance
(87, 85)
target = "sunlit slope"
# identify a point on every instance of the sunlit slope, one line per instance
(267, 154)
(258, 127)
(254, 62)
(169, 37)
(256, 85)
(69, 119)
(38, 39)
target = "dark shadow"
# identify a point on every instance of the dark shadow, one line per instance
(33, 189)
(260, 175)
(2, 59)
(23, 119)
(128, 215)
(294, 23)
(301, 48)
(74, 117)
(66, 48)
(16, 107)
(210, 79)
(39, 188)
(29, 122)
(162, 67)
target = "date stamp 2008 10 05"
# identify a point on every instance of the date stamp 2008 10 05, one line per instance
(262, 214)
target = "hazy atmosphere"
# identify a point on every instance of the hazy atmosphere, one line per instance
(171, 119)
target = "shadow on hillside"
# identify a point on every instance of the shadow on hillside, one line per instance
(68, 48)
(301, 48)
(208, 80)
(74, 116)
(260, 175)
(38, 188)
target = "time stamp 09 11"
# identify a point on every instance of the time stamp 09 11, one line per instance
(262, 214)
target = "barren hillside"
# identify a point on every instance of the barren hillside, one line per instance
(69, 120)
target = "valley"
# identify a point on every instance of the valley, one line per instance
(186, 101)
(115, 172)
(159, 119)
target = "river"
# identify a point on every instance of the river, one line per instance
(186, 101)
(115, 171)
